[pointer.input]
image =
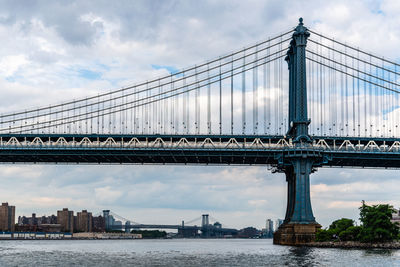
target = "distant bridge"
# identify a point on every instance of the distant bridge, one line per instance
(206, 229)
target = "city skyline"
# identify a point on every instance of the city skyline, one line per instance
(88, 49)
(51, 218)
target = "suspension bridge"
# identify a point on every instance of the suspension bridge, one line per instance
(335, 106)
(187, 229)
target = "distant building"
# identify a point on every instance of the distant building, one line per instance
(99, 224)
(269, 228)
(34, 224)
(52, 219)
(65, 218)
(127, 227)
(84, 221)
(117, 225)
(110, 222)
(249, 232)
(279, 222)
(31, 220)
(108, 219)
(49, 228)
(7, 217)
(217, 225)
(396, 217)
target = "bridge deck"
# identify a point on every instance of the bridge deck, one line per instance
(218, 150)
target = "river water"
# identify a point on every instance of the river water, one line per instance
(184, 252)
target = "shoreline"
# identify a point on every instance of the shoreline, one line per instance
(354, 244)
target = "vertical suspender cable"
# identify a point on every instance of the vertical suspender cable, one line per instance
(347, 94)
(281, 90)
(220, 98)
(232, 96)
(353, 92)
(255, 93)
(208, 100)
(197, 114)
(358, 96)
(269, 91)
(244, 93)
(184, 104)
(265, 95)
(371, 111)
(276, 104)
(396, 104)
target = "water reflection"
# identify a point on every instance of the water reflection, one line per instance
(380, 252)
(301, 256)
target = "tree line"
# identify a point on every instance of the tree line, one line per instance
(376, 226)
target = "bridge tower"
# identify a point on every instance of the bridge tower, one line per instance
(299, 225)
(205, 225)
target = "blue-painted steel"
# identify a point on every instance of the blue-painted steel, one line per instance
(300, 166)
(384, 155)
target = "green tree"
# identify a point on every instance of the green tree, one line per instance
(150, 233)
(341, 225)
(376, 224)
(350, 234)
(324, 235)
(337, 230)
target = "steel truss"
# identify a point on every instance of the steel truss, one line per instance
(214, 150)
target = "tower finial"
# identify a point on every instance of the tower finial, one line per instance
(300, 21)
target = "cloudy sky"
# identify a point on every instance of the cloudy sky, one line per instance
(53, 51)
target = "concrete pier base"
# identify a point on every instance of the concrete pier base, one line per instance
(295, 234)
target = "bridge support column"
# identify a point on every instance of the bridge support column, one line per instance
(299, 226)
(290, 179)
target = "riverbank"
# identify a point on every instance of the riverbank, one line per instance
(53, 236)
(354, 244)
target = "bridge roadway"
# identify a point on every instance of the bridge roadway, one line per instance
(176, 227)
(197, 149)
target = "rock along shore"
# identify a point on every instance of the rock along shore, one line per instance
(354, 244)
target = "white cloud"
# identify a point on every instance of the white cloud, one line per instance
(9, 65)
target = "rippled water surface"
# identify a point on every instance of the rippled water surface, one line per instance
(184, 252)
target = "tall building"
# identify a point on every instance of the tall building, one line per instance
(84, 221)
(269, 226)
(107, 219)
(7, 217)
(65, 218)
